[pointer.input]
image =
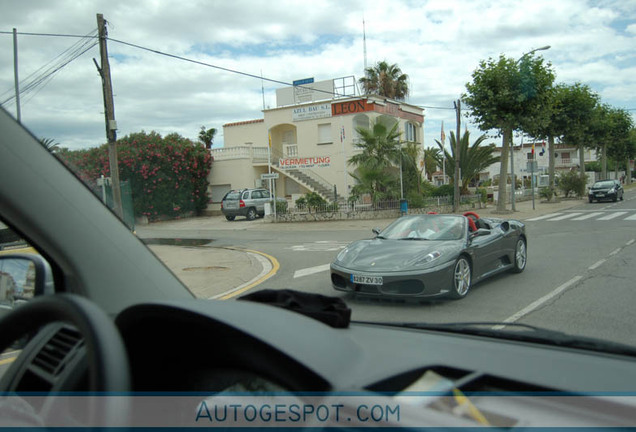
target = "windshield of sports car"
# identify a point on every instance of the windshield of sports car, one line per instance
(426, 227)
(455, 149)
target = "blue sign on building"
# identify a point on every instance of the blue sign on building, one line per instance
(303, 81)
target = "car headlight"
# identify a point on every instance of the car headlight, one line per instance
(349, 253)
(612, 190)
(425, 259)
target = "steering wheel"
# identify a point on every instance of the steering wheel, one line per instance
(108, 369)
(471, 222)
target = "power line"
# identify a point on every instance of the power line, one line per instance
(200, 63)
(43, 75)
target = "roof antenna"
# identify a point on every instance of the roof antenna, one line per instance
(364, 45)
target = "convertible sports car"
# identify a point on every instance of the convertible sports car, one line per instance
(431, 255)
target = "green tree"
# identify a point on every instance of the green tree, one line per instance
(379, 184)
(617, 143)
(168, 175)
(507, 95)
(206, 136)
(570, 112)
(386, 80)
(377, 162)
(412, 174)
(473, 159)
(50, 144)
(432, 157)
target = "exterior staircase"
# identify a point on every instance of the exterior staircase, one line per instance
(311, 181)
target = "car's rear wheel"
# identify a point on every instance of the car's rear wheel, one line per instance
(230, 218)
(521, 256)
(462, 278)
(251, 214)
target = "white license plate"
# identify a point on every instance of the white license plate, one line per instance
(600, 195)
(366, 280)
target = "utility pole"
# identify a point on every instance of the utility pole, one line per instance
(15, 75)
(109, 113)
(458, 112)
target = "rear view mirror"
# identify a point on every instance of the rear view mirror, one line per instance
(22, 277)
(376, 231)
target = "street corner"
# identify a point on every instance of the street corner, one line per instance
(217, 273)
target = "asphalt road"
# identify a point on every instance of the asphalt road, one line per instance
(578, 278)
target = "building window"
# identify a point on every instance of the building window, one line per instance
(324, 133)
(565, 157)
(410, 132)
(291, 150)
(530, 156)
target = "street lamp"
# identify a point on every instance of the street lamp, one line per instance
(512, 153)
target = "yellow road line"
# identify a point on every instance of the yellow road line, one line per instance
(272, 272)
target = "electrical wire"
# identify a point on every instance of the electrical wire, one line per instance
(38, 79)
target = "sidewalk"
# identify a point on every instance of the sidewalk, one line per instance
(212, 272)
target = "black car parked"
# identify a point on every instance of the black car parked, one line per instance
(606, 190)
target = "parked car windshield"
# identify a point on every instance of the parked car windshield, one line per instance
(353, 115)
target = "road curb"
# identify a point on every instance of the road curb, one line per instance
(270, 267)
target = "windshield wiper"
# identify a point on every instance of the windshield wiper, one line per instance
(527, 333)
(412, 238)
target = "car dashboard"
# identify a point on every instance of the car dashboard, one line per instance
(200, 348)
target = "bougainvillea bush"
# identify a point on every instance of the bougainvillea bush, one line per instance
(168, 176)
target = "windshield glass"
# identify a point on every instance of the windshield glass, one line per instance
(604, 184)
(357, 120)
(429, 227)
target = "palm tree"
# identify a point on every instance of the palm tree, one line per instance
(207, 136)
(472, 159)
(432, 157)
(377, 161)
(50, 144)
(385, 80)
(380, 146)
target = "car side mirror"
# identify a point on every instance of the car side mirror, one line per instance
(22, 277)
(376, 231)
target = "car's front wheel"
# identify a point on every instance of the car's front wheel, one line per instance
(251, 214)
(462, 278)
(591, 200)
(521, 256)
(230, 218)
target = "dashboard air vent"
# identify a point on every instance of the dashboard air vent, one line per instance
(54, 355)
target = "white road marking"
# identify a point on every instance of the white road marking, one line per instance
(311, 270)
(612, 216)
(320, 246)
(632, 217)
(630, 242)
(587, 216)
(544, 217)
(538, 303)
(615, 251)
(597, 264)
(567, 216)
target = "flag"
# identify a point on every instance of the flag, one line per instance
(270, 140)
(542, 148)
(532, 150)
(443, 135)
(342, 134)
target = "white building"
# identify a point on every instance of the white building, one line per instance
(312, 132)
(565, 158)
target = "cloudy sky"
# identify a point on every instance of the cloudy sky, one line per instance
(437, 43)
